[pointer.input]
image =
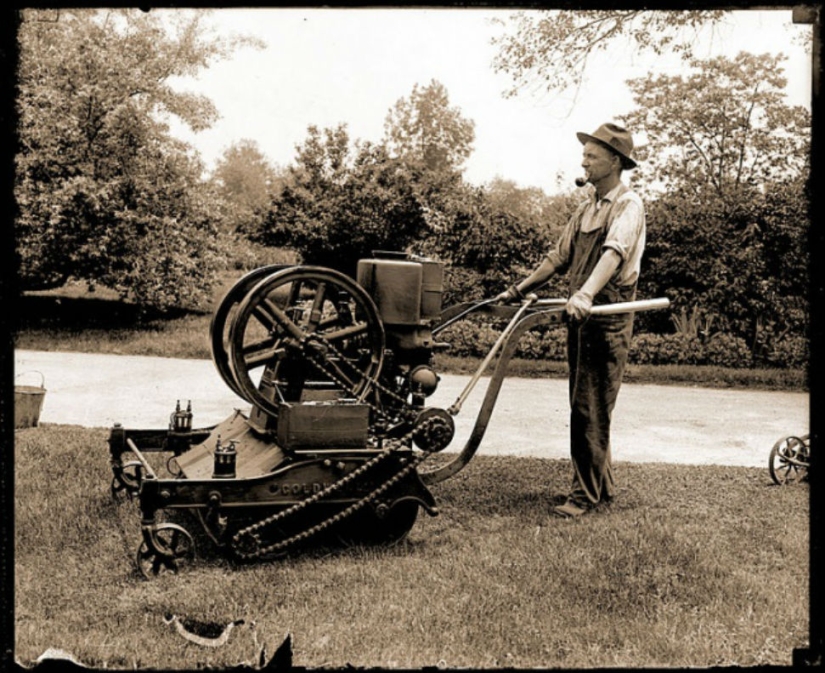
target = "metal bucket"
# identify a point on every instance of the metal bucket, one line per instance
(28, 402)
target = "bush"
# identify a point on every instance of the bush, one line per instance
(469, 339)
(473, 339)
(725, 350)
(241, 254)
(661, 349)
(791, 352)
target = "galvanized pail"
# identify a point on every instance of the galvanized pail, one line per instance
(28, 402)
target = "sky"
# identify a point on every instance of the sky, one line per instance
(326, 67)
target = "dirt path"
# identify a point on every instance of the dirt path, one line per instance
(652, 423)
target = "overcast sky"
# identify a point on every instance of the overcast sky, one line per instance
(324, 67)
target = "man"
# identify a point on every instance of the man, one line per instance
(601, 249)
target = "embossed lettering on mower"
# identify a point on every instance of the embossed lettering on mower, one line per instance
(337, 372)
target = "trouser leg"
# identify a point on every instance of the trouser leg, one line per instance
(597, 354)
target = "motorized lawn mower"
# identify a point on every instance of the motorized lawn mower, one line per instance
(337, 372)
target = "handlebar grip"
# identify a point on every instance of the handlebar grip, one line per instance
(631, 306)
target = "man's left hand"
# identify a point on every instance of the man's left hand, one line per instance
(579, 305)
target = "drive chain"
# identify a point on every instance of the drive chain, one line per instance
(247, 544)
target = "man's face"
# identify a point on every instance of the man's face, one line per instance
(598, 162)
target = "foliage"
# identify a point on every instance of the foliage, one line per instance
(549, 50)
(722, 350)
(338, 203)
(104, 193)
(722, 128)
(241, 254)
(742, 264)
(246, 182)
(474, 339)
(425, 129)
(501, 231)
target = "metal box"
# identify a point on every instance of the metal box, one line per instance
(406, 292)
(432, 289)
(322, 425)
(395, 287)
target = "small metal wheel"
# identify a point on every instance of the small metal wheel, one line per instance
(381, 525)
(126, 482)
(297, 315)
(789, 460)
(175, 547)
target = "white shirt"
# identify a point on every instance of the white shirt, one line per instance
(625, 222)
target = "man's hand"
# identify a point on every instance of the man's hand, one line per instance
(579, 305)
(510, 294)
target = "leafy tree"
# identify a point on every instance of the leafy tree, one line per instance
(340, 202)
(723, 127)
(725, 164)
(104, 193)
(424, 128)
(499, 232)
(742, 265)
(246, 181)
(549, 50)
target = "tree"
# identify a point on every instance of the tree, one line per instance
(246, 181)
(424, 128)
(340, 202)
(728, 160)
(744, 265)
(104, 193)
(724, 127)
(500, 231)
(549, 50)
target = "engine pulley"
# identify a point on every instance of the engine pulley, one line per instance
(435, 429)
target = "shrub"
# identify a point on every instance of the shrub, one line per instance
(474, 339)
(791, 352)
(660, 349)
(469, 339)
(725, 350)
(241, 254)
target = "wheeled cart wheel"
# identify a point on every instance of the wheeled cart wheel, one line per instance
(789, 460)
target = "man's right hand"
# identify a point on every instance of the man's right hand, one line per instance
(510, 294)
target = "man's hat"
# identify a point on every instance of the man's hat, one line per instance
(616, 139)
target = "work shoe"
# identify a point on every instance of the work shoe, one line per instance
(571, 509)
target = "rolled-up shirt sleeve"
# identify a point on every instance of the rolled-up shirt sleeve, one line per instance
(626, 235)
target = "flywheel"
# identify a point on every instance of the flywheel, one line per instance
(222, 320)
(295, 329)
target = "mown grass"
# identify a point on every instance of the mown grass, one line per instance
(692, 566)
(72, 319)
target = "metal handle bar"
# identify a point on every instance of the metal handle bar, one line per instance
(463, 314)
(529, 300)
(532, 318)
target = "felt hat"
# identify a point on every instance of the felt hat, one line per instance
(616, 139)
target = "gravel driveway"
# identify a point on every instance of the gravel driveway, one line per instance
(651, 423)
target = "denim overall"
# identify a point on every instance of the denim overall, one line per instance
(597, 351)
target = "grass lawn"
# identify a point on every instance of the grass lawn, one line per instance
(692, 566)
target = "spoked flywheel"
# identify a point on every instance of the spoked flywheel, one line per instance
(222, 319)
(299, 328)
